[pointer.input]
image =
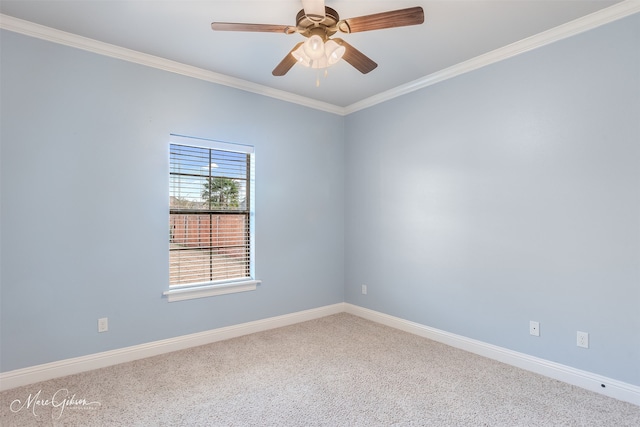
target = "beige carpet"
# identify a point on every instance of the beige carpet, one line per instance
(340, 370)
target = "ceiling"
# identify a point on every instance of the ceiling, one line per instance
(454, 31)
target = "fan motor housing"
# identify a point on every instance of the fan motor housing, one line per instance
(307, 27)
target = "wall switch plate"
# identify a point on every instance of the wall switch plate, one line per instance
(103, 324)
(364, 289)
(534, 328)
(583, 339)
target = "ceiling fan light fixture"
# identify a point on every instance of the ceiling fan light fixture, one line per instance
(314, 47)
(301, 56)
(333, 51)
(321, 62)
(318, 23)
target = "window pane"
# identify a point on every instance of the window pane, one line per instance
(206, 179)
(209, 228)
(224, 193)
(208, 247)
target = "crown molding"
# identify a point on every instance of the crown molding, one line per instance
(580, 25)
(68, 39)
(572, 28)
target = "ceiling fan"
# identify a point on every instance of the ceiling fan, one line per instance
(318, 23)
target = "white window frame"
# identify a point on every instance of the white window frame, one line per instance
(207, 289)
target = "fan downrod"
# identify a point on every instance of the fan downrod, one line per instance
(308, 27)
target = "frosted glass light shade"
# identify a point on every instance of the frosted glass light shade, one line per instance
(301, 56)
(333, 51)
(314, 47)
(320, 62)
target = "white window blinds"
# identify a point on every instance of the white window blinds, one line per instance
(209, 213)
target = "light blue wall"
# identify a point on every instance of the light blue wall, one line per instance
(506, 195)
(84, 208)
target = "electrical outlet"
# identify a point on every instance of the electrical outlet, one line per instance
(583, 339)
(103, 324)
(364, 289)
(534, 328)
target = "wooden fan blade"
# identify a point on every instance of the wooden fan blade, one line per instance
(287, 62)
(357, 59)
(379, 21)
(258, 28)
(314, 9)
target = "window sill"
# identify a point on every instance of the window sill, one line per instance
(181, 294)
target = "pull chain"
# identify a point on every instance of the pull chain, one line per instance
(326, 73)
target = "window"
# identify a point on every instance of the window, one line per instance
(210, 218)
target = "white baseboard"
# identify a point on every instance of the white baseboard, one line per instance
(587, 380)
(47, 371)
